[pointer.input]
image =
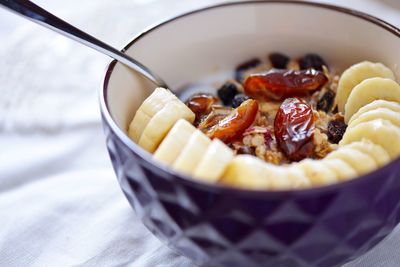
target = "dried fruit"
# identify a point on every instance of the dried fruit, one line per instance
(336, 130)
(325, 103)
(217, 114)
(280, 84)
(238, 100)
(278, 60)
(227, 92)
(232, 127)
(242, 68)
(246, 150)
(201, 105)
(312, 61)
(294, 129)
(268, 138)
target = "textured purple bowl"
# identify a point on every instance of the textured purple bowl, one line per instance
(219, 226)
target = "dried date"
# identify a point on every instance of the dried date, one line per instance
(280, 84)
(233, 126)
(201, 105)
(294, 129)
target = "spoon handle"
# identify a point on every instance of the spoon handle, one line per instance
(38, 15)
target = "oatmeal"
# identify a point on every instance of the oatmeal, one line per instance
(310, 131)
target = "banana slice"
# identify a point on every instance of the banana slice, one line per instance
(317, 173)
(248, 172)
(192, 153)
(379, 154)
(361, 162)
(380, 113)
(356, 74)
(298, 178)
(369, 90)
(342, 169)
(174, 142)
(214, 162)
(150, 106)
(377, 104)
(279, 178)
(380, 132)
(160, 124)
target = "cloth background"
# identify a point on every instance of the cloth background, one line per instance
(60, 204)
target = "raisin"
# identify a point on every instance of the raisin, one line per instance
(325, 102)
(201, 105)
(294, 129)
(246, 150)
(233, 126)
(242, 68)
(311, 61)
(227, 92)
(280, 84)
(336, 130)
(238, 100)
(278, 60)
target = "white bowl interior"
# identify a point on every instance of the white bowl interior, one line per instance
(201, 44)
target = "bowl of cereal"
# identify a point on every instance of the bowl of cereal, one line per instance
(285, 153)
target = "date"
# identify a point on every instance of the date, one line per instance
(280, 84)
(233, 126)
(294, 129)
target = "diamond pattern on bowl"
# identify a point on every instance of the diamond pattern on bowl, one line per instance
(219, 227)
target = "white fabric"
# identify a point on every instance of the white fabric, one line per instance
(60, 204)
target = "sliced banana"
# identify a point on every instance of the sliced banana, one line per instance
(369, 90)
(379, 131)
(192, 153)
(342, 169)
(379, 113)
(377, 104)
(246, 171)
(356, 74)
(279, 178)
(317, 173)
(174, 142)
(379, 154)
(214, 162)
(160, 124)
(297, 177)
(150, 106)
(358, 160)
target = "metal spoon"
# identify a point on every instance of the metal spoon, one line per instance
(33, 12)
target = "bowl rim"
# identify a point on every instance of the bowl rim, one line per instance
(146, 157)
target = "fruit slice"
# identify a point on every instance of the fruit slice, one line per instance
(246, 171)
(214, 162)
(342, 169)
(279, 178)
(379, 113)
(376, 105)
(174, 142)
(160, 124)
(369, 90)
(379, 154)
(380, 132)
(361, 162)
(150, 106)
(356, 74)
(192, 153)
(317, 173)
(297, 178)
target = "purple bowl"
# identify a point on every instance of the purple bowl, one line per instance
(220, 226)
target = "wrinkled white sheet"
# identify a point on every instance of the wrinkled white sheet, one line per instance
(60, 204)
